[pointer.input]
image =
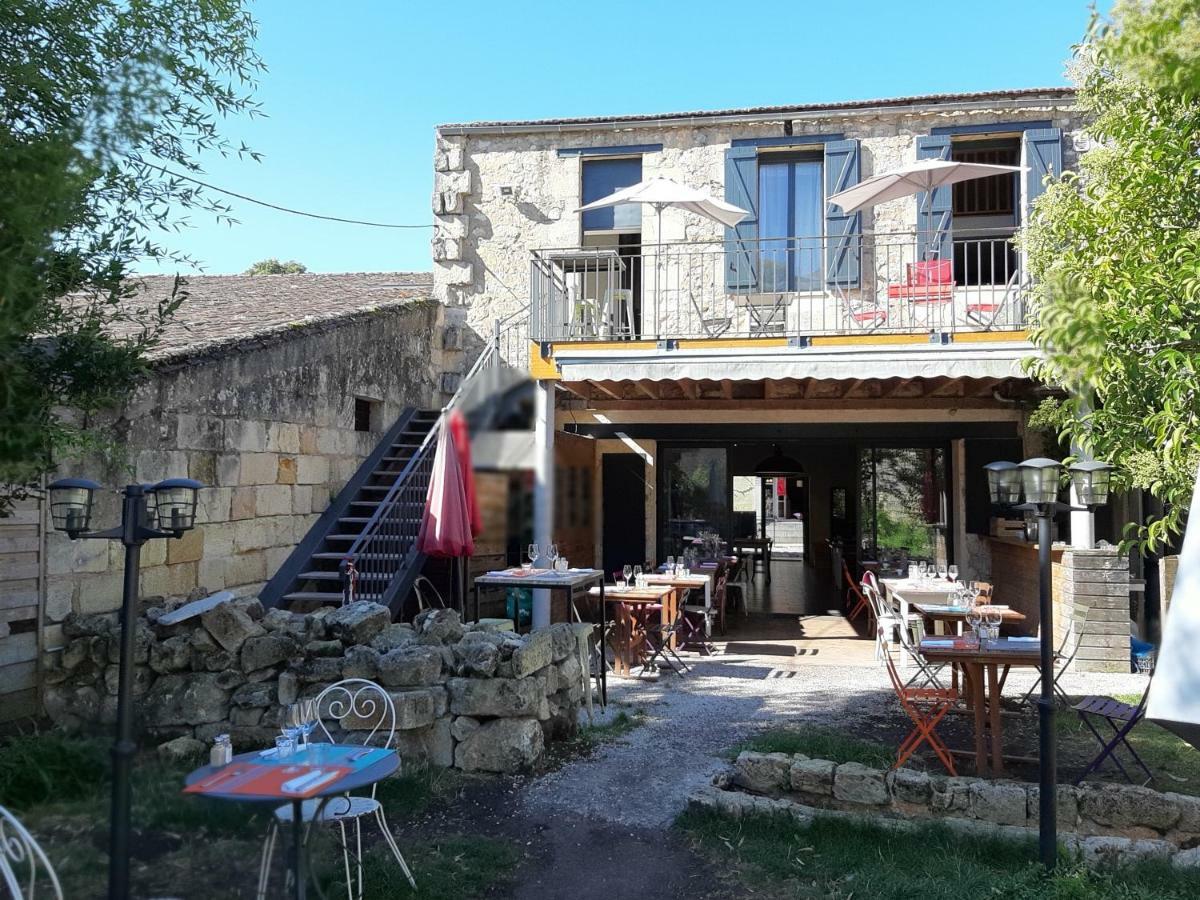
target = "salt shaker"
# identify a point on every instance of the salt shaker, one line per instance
(222, 751)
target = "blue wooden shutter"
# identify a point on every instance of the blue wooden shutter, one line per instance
(934, 208)
(1043, 156)
(741, 248)
(843, 232)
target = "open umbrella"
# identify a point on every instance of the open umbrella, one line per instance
(1175, 698)
(922, 176)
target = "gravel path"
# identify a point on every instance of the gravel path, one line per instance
(644, 779)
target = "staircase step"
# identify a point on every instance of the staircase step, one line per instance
(322, 596)
(358, 556)
(318, 575)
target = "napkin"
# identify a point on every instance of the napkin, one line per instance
(1024, 640)
(929, 643)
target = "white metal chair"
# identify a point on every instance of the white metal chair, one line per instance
(366, 701)
(18, 852)
(618, 313)
(888, 620)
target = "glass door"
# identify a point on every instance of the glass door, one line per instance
(693, 496)
(903, 504)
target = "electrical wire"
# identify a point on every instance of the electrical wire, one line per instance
(294, 212)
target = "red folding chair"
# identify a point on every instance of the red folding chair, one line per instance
(926, 707)
(852, 590)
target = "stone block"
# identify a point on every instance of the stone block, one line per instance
(312, 470)
(258, 468)
(230, 626)
(268, 650)
(360, 662)
(245, 436)
(308, 438)
(474, 657)
(812, 776)
(358, 622)
(212, 571)
(999, 802)
(1066, 806)
(229, 469)
(536, 653)
(241, 505)
(185, 699)
(319, 670)
(463, 727)
(193, 432)
(951, 795)
(287, 470)
(393, 637)
(273, 500)
(911, 787)
(288, 688)
(1186, 859)
(1189, 812)
(855, 783)
(302, 499)
(432, 745)
(283, 437)
(188, 548)
(182, 749)
(563, 637)
(762, 773)
(202, 466)
(410, 666)
(443, 626)
(1126, 806)
(504, 745)
(494, 696)
(259, 694)
(173, 654)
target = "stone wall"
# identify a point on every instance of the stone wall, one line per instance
(268, 425)
(472, 698)
(1092, 588)
(483, 236)
(1101, 822)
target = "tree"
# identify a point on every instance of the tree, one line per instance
(105, 103)
(273, 266)
(1114, 249)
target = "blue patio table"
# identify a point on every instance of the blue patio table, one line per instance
(382, 763)
(552, 580)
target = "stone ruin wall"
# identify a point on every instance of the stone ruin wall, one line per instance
(475, 699)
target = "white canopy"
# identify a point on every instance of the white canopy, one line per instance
(1175, 696)
(662, 193)
(923, 175)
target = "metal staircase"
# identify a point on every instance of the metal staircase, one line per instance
(366, 541)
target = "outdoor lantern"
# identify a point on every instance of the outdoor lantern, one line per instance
(1090, 480)
(151, 505)
(1004, 482)
(71, 504)
(1040, 480)
(175, 503)
(778, 466)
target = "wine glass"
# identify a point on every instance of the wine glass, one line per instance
(670, 565)
(293, 722)
(308, 718)
(993, 617)
(552, 554)
(941, 571)
(974, 617)
(920, 570)
(532, 553)
(637, 576)
(953, 572)
(627, 572)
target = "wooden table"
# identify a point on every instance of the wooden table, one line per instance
(941, 613)
(627, 634)
(980, 666)
(685, 583)
(754, 547)
(552, 580)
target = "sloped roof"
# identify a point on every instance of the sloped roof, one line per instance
(1050, 93)
(223, 310)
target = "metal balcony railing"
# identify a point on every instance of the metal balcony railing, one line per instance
(785, 287)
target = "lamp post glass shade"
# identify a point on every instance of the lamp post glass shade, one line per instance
(1090, 480)
(175, 502)
(1040, 479)
(1004, 482)
(71, 503)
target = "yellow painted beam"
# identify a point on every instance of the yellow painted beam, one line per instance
(731, 343)
(983, 337)
(542, 368)
(866, 340)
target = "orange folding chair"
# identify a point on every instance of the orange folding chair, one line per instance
(926, 707)
(853, 591)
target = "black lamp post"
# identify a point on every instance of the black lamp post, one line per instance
(162, 510)
(1036, 482)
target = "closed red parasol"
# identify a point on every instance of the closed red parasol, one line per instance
(446, 527)
(462, 443)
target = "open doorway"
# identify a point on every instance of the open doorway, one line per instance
(773, 508)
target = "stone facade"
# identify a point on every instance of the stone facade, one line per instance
(1102, 823)
(268, 426)
(498, 196)
(476, 699)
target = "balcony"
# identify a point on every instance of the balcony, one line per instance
(785, 288)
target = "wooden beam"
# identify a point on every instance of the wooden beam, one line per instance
(726, 388)
(604, 388)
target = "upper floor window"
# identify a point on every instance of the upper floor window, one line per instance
(994, 196)
(601, 177)
(791, 214)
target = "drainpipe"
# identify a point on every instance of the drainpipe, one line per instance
(543, 491)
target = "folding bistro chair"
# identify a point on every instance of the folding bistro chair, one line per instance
(859, 604)
(887, 618)
(926, 707)
(768, 318)
(698, 619)
(1121, 718)
(910, 641)
(713, 325)
(659, 636)
(1063, 661)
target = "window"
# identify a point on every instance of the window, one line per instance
(995, 196)
(790, 203)
(601, 177)
(364, 413)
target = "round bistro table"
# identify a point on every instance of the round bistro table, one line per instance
(311, 756)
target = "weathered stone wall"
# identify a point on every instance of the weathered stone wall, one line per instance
(1101, 822)
(268, 426)
(482, 237)
(470, 698)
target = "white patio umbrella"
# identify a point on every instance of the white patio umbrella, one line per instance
(923, 175)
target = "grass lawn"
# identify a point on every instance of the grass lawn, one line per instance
(840, 860)
(820, 743)
(190, 847)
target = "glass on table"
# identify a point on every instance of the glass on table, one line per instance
(552, 554)
(627, 572)
(920, 567)
(952, 571)
(670, 565)
(293, 721)
(994, 618)
(532, 552)
(941, 571)
(637, 576)
(284, 745)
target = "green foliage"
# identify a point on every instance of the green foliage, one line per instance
(838, 859)
(820, 743)
(273, 266)
(1158, 43)
(101, 98)
(1115, 253)
(51, 767)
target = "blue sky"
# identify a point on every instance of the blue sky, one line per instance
(355, 88)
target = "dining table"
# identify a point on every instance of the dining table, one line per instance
(685, 583)
(980, 662)
(628, 635)
(753, 548)
(317, 771)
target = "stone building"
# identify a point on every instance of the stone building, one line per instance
(270, 390)
(880, 352)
